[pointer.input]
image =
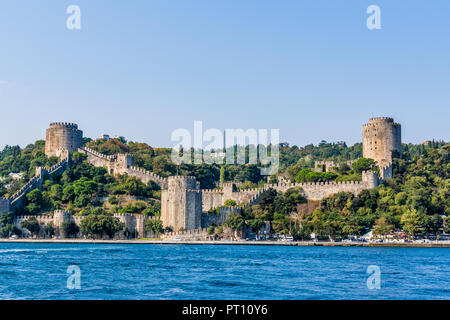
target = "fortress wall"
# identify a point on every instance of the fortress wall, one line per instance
(122, 164)
(181, 203)
(43, 220)
(97, 159)
(215, 198)
(212, 199)
(135, 222)
(16, 200)
(244, 195)
(386, 172)
(173, 208)
(57, 168)
(319, 190)
(193, 213)
(131, 221)
(62, 136)
(165, 217)
(209, 219)
(327, 166)
(146, 176)
(188, 235)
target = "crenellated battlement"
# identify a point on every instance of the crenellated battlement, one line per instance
(252, 190)
(181, 178)
(64, 124)
(213, 191)
(100, 155)
(16, 199)
(381, 119)
(24, 188)
(40, 218)
(61, 212)
(194, 190)
(312, 184)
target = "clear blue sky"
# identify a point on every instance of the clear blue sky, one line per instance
(142, 69)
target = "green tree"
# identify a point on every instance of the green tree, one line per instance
(113, 199)
(235, 222)
(99, 225)
(230, 203)
(256, 224)
(211, 230)
(434, 224)
(31, 225)
(447, 225)
(7, 226)
(35, 196)
(154, 225)
(50, 229)
(363, 164)
(56, 192)
(382, 227)
(69, 229)
(309, 175)
(411, 221)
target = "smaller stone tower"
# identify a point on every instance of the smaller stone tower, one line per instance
(370, 179)
(181, 203)
(61, 137)
(381, 137)
(59, 217)
(122, 163)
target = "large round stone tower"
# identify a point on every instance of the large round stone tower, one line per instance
(381, 137)
(62, 136)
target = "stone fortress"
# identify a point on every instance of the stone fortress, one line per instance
(382, 137)
(62, 136)
(184, 205)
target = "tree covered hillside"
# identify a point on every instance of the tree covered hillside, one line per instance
(415, 200)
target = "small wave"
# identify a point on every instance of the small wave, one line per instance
(174, 291)
(222, 283)
(37, 250)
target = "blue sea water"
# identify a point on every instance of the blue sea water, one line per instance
(138, 271)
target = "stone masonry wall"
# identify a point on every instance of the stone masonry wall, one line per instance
(319, 190)
(381, 137)
(132, 221)
(213, 218)
(181, 203)
(62, 136)
(16, 200)
(122, 164)
(216, 198)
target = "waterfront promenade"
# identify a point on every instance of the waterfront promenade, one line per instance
(434, 244)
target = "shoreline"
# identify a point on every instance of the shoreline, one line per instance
(241, 243)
